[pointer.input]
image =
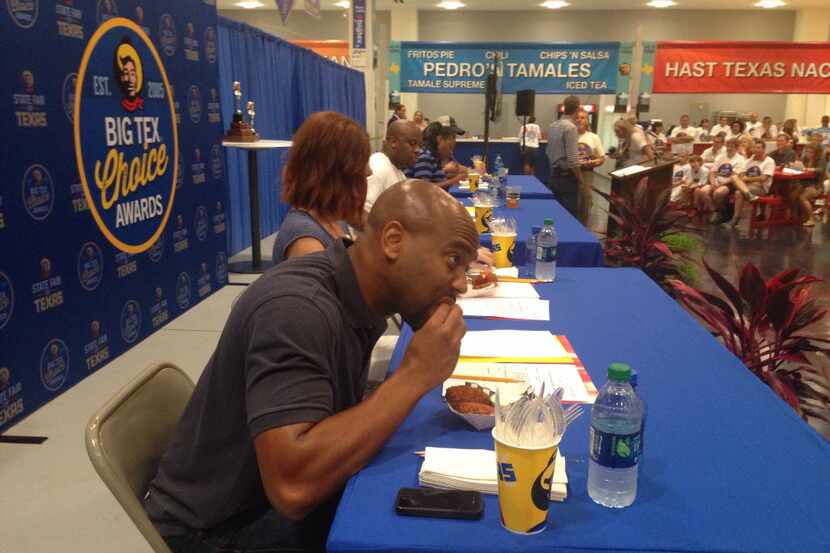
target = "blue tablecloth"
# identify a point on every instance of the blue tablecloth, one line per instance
(511, 155)
(532, 187)
(728, 467)
(577, 246)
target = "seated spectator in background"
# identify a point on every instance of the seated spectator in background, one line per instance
(791, 129)
(682, 137)
(658, 138)
(277, 424)
(704, 131)
(400, 152)
(696, 177)
(783, 155)
(722, 127)
(737, 130)
(436, 163)
(398, 112)
(633, 147)
(813, 159)
(760, 169)
(712, 152)
(681, 167)
(766, 131)
(746, 146)
(823, 130)
(419, 120)
(752, 124)
(530, 134)
(817, 139)
(725, 176)
(324, 182)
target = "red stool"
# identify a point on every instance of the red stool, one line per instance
(778, 212)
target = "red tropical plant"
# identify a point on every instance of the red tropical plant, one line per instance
(763, 323)
(642, 230)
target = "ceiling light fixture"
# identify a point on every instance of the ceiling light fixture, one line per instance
(345, 4)
(769, 4)
(662, 3)
(451, 4)
(554, 4)
(249, 4)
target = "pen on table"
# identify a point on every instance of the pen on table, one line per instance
(420, 453)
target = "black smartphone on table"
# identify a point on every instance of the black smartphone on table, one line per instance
(430, 502)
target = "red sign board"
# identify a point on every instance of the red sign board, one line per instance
(742, 67)
(334, 50)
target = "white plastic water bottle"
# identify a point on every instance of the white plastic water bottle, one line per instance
(498, 165)
(616, 430)
(530, 254)
(546, 244)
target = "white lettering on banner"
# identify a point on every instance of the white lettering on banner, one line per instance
(811, 70)
(431, 54)
(689, 69)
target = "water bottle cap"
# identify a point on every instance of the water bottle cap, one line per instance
(548, 221)
(536, 229)
(619, 372)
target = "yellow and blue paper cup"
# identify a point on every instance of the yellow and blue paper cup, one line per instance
(484, 213)
(525, 475)
(504, 249)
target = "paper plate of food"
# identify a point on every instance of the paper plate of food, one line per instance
(473, 403)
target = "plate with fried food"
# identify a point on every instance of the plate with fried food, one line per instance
(473, 403)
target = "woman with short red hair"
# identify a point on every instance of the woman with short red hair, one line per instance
(324, 182)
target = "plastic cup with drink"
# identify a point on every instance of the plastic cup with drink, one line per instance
(513, 194)
(527, 436)
(503, 233)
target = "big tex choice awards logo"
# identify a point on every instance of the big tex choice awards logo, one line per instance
(126, 142)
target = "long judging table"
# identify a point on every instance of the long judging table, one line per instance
(577, 246)
(727, 467)
(532, 187)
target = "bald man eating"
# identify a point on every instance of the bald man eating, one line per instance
(276, 425)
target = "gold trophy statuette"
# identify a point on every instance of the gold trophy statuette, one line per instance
(252, 113)
(240, 130)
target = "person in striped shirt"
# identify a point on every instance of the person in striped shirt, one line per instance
(436, 163)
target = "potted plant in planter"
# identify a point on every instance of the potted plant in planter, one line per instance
(651, 237)
(764, 323)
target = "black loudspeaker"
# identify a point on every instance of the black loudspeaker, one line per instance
(525, 102)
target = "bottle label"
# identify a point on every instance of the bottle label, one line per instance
(545, 254)
(615, 451)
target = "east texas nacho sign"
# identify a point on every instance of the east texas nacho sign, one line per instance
(126, 142)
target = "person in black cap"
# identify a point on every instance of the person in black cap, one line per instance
(436, 163)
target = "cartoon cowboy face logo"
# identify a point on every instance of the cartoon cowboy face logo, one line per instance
(129, 74)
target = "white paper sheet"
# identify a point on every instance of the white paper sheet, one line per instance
(515, 290)
(528, 309)
(529, 375)
(507, 272)
(626, 171)
(512, 343)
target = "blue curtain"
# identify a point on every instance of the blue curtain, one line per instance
(288, 83)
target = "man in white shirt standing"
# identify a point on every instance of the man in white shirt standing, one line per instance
(683, 137)
(529, 136)
(757, 177)
(400, 151)
(591, 155)
(722, 127)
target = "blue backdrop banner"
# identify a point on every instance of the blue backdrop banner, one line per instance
(547, 68)
(288, 83)
(112, 205)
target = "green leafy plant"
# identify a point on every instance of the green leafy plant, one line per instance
(645, 235)
(763, 322)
